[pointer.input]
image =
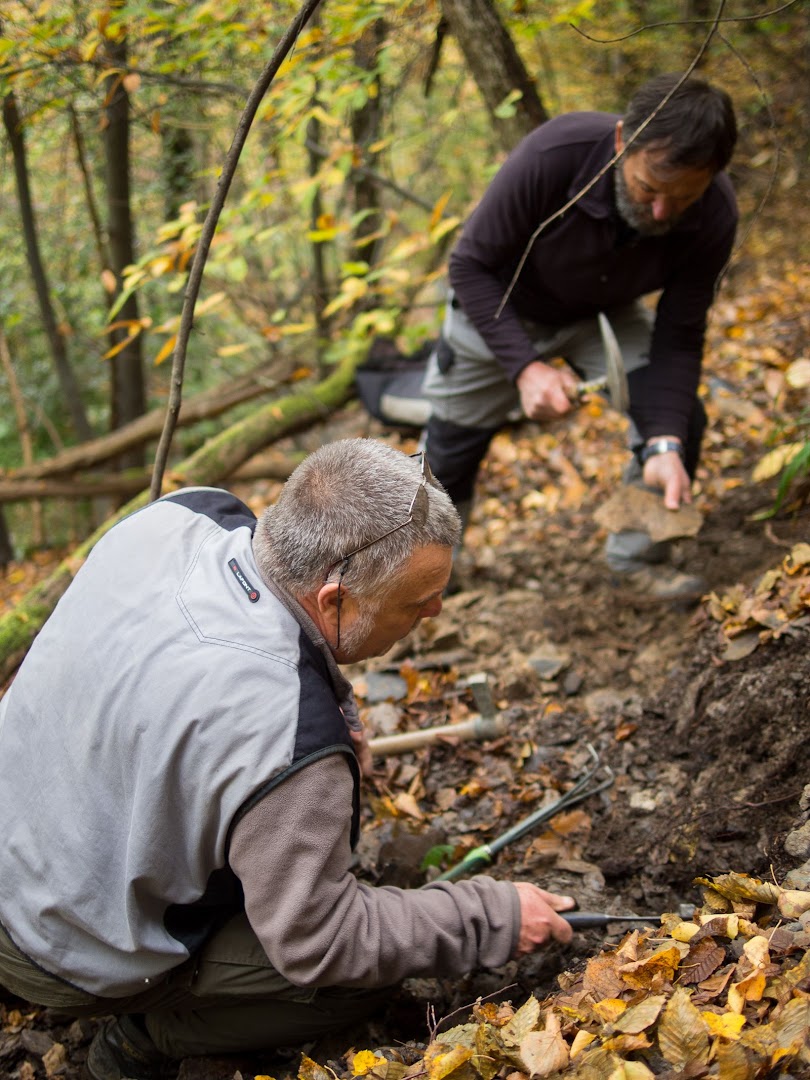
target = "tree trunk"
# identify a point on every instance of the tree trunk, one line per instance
(26, 442)
(496, 66)
(56, 339)
(178, 165)
(366, 125)
(128, 384)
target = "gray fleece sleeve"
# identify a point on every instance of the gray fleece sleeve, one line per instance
(321, 927)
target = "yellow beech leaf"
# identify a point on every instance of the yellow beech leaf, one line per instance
(610, 1009)
(582, 1039)
(798, 373)
(750, 988)
(364, 1061)
(639, 1017)
(525, 1020)
(637, 1070)
(445, 1064)
(725, 1026)
(438, 209)
(684, 931)
(773, 463)
(166, 349)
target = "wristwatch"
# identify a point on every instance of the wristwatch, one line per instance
(661, 446)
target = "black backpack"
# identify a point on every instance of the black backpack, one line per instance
(389, 384)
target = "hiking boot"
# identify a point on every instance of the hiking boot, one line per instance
(123, 1050)
(662, 584)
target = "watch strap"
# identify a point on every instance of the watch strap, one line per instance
(661, 446)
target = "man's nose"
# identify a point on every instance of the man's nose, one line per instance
(432, 608)
(663, 207)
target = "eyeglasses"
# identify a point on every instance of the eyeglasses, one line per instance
(417, 512)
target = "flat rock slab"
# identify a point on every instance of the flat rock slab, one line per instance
(633, 508)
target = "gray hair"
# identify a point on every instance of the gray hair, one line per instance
(347, 494)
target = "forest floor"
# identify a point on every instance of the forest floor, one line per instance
(708, 752)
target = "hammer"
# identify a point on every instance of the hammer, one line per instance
(614, 381)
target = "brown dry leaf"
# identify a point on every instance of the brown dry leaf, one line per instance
(54, 1060)
(781, 988)
(741, 646)
(627, 1044)
(545, 1052)
(641, 1016)
(716, 984)
(784, 1036)
(742, 887)
(311, 1070)
(638, 508)
(643, 974)
(683, 1037)
(703, 958)
(407, 804)
(601, 979)
(734, 1063)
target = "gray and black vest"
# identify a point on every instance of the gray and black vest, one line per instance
(167, 693)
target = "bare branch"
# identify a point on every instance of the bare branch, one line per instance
(684, 22)
(207, 234)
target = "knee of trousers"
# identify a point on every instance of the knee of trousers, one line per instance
(455, 453)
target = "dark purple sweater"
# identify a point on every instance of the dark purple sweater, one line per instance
(587, 261)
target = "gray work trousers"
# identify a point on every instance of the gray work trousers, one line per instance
(475, 392)
(226, 999)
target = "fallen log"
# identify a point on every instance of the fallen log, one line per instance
(203, 406)
(211, 464)
(131, 481)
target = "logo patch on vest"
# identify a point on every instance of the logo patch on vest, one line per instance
(252, 594)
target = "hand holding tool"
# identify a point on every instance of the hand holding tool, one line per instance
(614, 381)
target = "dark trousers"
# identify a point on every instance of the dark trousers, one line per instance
(227, 999)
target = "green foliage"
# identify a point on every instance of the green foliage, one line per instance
(191, 66)
(439, 855)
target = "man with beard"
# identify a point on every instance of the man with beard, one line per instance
(563, 233)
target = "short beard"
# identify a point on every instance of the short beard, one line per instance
(636, 215)
(352, 640)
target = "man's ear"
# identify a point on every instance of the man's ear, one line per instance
(327, 599)
(619, 140)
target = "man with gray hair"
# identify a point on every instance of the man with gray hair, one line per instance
(179, 778)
